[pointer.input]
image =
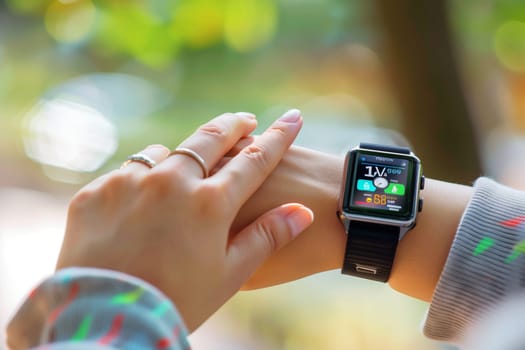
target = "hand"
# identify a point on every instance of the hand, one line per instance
(173, 228)
(313, 179)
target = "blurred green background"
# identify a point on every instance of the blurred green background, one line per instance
(84, 83)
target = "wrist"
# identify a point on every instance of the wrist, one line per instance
(313, 179)
(422, 253)
(318, 179)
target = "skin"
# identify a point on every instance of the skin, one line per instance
(188, 249)
(314, 179)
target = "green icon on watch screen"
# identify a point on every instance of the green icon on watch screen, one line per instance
(395, 189)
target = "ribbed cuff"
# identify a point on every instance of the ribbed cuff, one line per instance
(485, 265)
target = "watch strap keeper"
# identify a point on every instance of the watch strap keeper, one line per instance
(370, 250)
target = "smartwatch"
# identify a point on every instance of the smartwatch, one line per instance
(378, 205)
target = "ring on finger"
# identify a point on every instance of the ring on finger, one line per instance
(139, 158)
(195, 156)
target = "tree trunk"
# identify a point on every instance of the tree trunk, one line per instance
(421, 62)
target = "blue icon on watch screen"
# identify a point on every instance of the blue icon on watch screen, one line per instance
(365, 185)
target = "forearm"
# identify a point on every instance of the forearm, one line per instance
(314, 179)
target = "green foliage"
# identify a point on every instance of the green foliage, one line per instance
(156, 32)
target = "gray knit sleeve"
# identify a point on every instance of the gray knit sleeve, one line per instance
(486, 263)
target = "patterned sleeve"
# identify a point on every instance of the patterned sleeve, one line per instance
(85, 308)
(486, 263)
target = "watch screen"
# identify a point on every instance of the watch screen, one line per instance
(382, 184)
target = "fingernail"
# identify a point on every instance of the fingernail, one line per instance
(299, 218)
(246, 115)
(292, 116)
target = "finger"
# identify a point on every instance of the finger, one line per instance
(258, 241)
(157, 153)
(211, 142)
(244, 142)
(248, 169)
(220, 165)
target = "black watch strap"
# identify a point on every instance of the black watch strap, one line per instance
(385, 148)
(370, 250)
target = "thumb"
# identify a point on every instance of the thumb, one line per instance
(273, 230)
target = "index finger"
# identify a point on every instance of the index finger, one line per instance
(246, 172)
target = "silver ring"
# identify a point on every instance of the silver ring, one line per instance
(140, 158)
(195, 156)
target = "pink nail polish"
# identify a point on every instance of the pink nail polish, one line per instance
(245, 114)
(292, 116)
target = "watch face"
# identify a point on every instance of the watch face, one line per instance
(381, 184)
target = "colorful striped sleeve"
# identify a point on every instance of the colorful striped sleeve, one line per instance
(485, 266)
(86, 308)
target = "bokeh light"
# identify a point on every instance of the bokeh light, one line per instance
(249, 24)
(69, 135)
(198, 23)
(70, 21)
(73, 128)
(509, 43)
(137, 32)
